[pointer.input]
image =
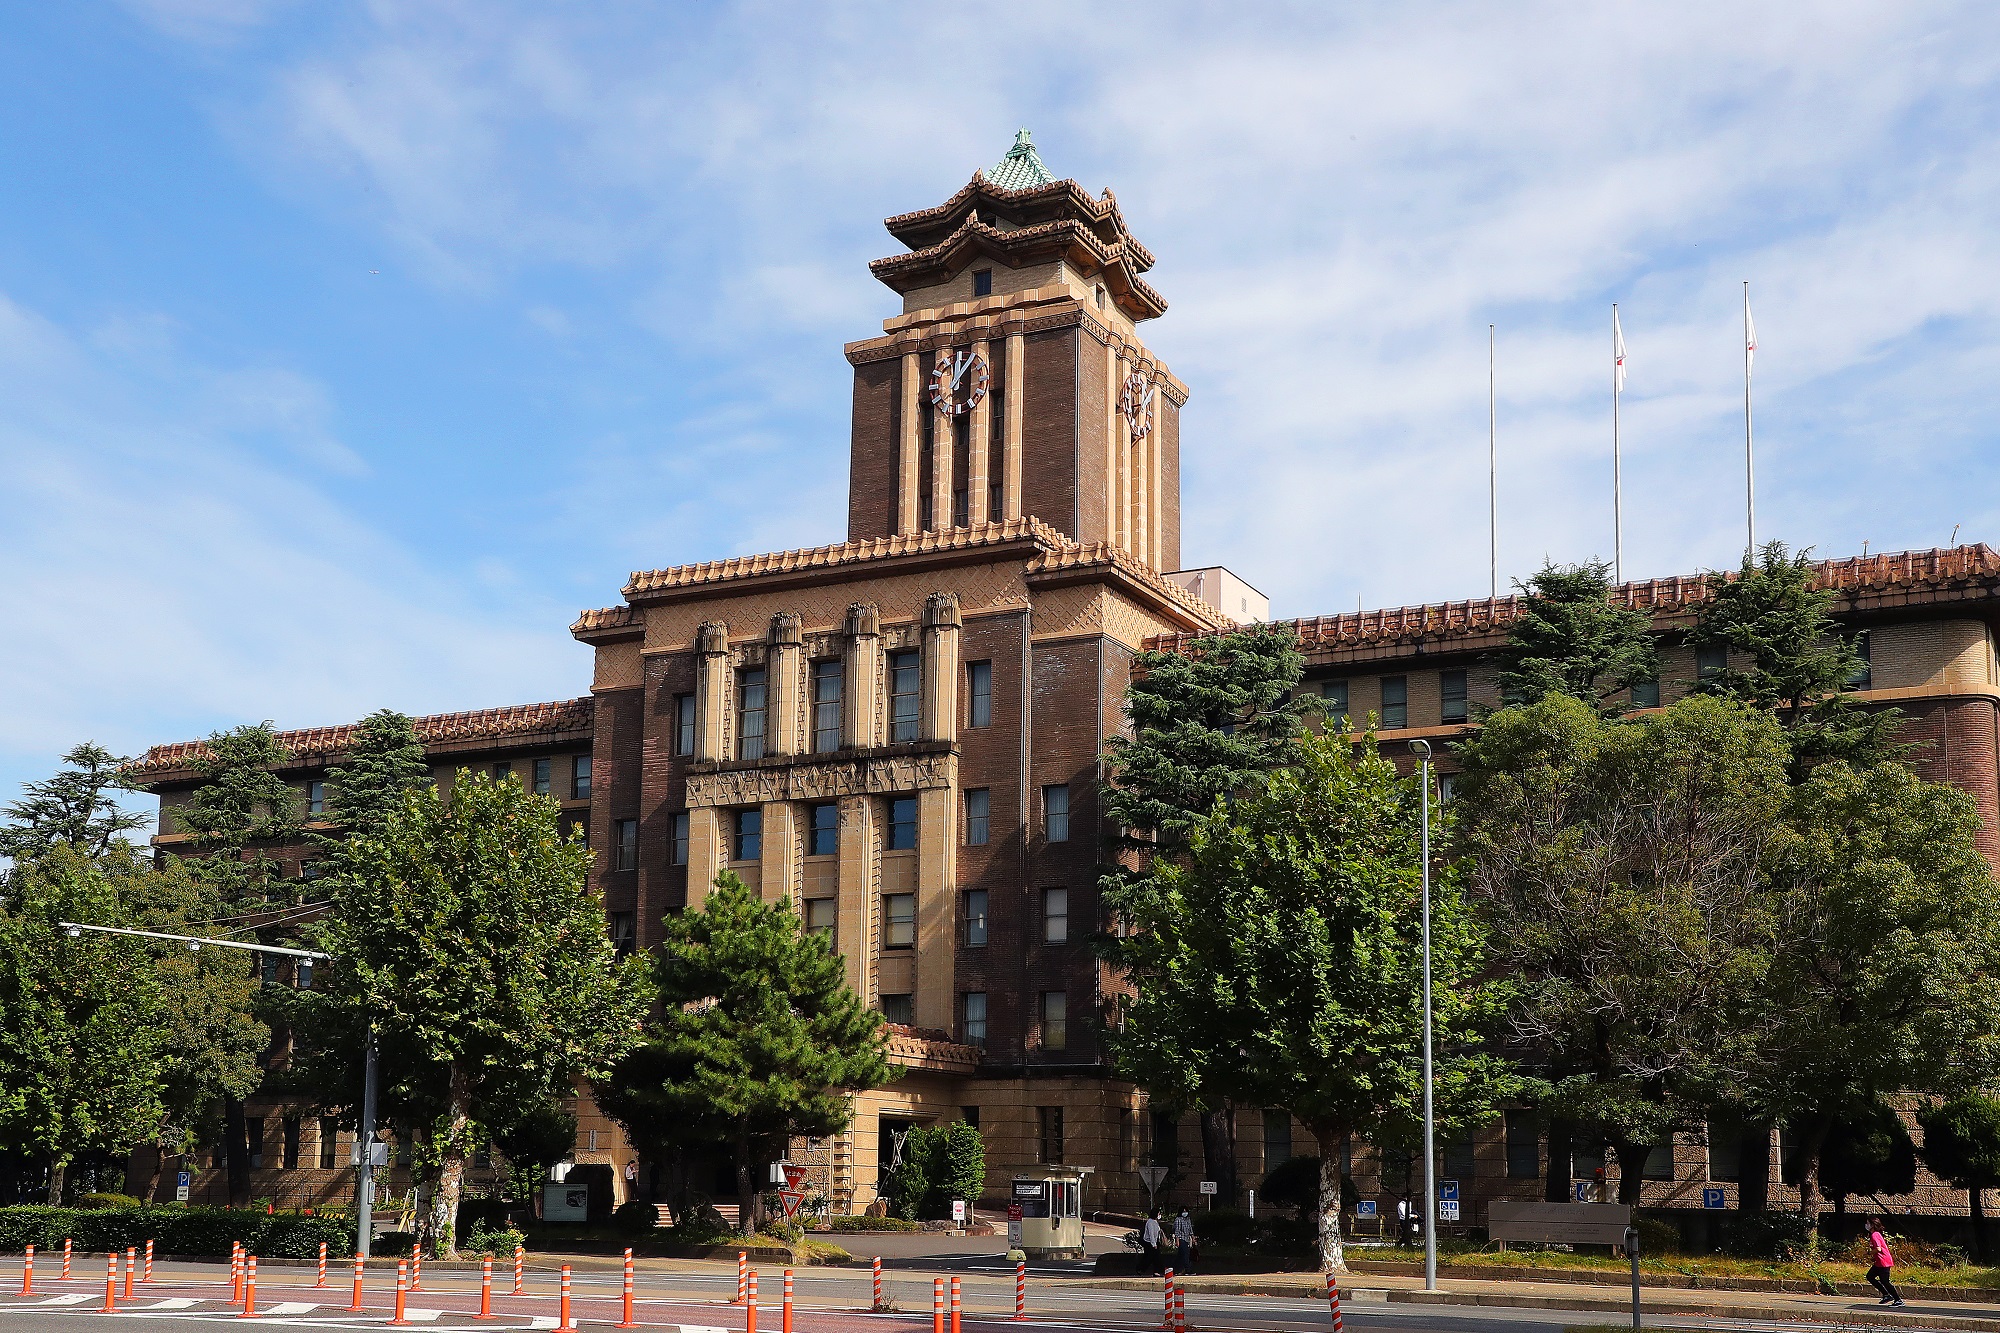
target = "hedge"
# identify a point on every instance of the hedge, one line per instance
(174, 1231)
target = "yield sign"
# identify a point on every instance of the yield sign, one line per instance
(791, 1201)
(794, 1176)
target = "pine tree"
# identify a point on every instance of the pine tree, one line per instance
(74, 808)
(385, 764)
(1569, 639)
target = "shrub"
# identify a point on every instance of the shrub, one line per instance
(1658, 1236)
(107, 1201)
(175, 1230)
(940, 1163)
(859, 1222)
(1230, 1228)
(394, 1244)
(1764, 1235)
(635, 1218)
(499, 1241)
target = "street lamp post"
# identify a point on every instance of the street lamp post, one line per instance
(366, 1189)
(1422, 749)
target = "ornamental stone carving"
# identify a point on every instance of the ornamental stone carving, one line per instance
(941, 609)
(885, 776)
(712, 637)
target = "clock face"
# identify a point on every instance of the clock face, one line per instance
(958, 382)
(1137, 404)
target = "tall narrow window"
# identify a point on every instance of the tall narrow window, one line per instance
(750, 713)
(978, 816)
(1524, 1146)
(978, 694)
(926, 468)
(982, 282)
(1863, 675)
(1055, 1020)
(544, 773)
(821, 913)
(289, 1126)
(996, 492)
(905, 695)
(329, 1143)
(961, 452)
(749, 840)
(683, 724)
(623, 929)
(899, 920)
(1334, 694)
(253, 1127)
(1459, 1160)
(501, 772)
(975, 918)
(1055, 916)
(1395, 701)
(902, 824)
(626, 832)
(680, 848)
(579, 778)
(826, 706)
(1711, 660)
(1277, 1139)
(823, 831)
(1051, 1118)
(1055, 813)
(972, 1018)
(900, 1008)
(1451, 696)
(315, 798)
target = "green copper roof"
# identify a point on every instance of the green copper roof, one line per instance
(1022, 168)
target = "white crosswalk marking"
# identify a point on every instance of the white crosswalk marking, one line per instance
(292, 1307)
(546, 1321)
(423, 1316)
(66, 1300)
(172, 1303)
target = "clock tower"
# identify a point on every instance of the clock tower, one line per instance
(1014, 384)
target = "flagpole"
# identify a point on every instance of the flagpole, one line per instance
(1492, 472)
(1749, 452)
(1617, 480)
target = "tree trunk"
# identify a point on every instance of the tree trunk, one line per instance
(746, 1186)
(1810, 1146)
(1978, 1197)
(1753, 1156)
(1218, 1152)
(1555, 1185)
(141, 1184)
(1631, 1167)
(443, 1225)
(236, 1149)
(1332, 1254)
(58, 1169)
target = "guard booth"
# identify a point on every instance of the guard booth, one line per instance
(1050, 1203)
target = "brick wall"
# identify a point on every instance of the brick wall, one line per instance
(1049, 428)
(874, 453)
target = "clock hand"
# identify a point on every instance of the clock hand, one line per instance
(963, 363)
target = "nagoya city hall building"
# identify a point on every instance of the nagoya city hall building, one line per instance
(902, 735)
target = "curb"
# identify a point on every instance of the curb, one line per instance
(1791, 1314)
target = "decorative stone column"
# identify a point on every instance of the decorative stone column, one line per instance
(979, 453)
(784, 677)
(854, 927)
(944, 440)
(939, 718)
(711, 691)
(862, 705)
(909, 468)
(937, 888)
(1015, 403)
(779, 873)
(706, 857)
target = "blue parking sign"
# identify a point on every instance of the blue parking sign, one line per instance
(1712, 1198)
(1448, 1189)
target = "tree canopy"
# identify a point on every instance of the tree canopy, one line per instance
(1570, 639)
(1962, 1145)
(75, 808)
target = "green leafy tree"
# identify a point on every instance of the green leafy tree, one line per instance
(1619, 863)
(533, 1142)
(1209, 723)
(1280, 963)
(1962, 1145)
(1870, 1153)
(757, 1036)
(940, 1163)
(1775, 614)
(1570, 639)
(1883, 981)
(75, 808)
(80, 1032)
(385, 764)
(468, 933)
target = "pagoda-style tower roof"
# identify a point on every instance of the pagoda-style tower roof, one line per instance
(1019, 214)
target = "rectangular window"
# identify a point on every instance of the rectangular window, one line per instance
(683, 724)
(501, 772)
(905, 691)
(289, 1127)
(315, 798)
(978, 694)
(975, 918)
(626, 832)
(821, 913)
(902, 824)
(1725, 1149)
(1055, 916)
(302, 974)
(827, 678)
(996, 494)
(750, 713)
(1055, 1020)
(970, 1115)
(1055, 813)
(623, 929)
(1863, 675)
(1458, 1159)
(1524, 1146)
(982, 282)
(899, 920)
(1451, 695)
(1660, 1161)
(1277, 1139)
(748, 843)
(329, 1143)
(253, 1127)
(1447, 787)
(1646, 694)
(978, 816)
(544, 774)
(972, 1018)
(579, 778)
(1333, 693)
(271, 963)
(823, 830)
(1395, 702)
(1051, 1118)
(1711, 660)
(680, 851)
(900, 1009)
(1165, 1149)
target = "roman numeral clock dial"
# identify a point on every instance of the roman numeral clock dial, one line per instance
(1136, 402)
(959, 381)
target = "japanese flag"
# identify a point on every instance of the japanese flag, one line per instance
(1617, 353)
(1749, 336)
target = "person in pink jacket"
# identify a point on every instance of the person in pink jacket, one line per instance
(1878, 1276)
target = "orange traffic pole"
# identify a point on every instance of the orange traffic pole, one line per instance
(877, 1306)
(1333, 1297)
(1180, 1308)
(147, 1276)
(625, 1319)
(788, 1301)
(1021, 1290)
(131, 1268)
(358, 1263)
(236, 1272)
(110, 1282)
(417, 1269)
(937, 1305)
(249, 1310)
(322, 1265)
(1167, 1318)
(563, 1321)
(954, 1304)
(28, 1273)
(485, 1288)
(519, 1255)
(402, 1290)
(742, 1276)
(66, 1244)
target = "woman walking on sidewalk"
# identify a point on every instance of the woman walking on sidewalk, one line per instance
(1878, 1276)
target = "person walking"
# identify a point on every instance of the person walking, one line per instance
(1184, 1243)
(1885, 1263)
(1151, 1238)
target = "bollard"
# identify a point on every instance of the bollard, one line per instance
(28, 1273)
(1333, 1298)
(1180, 1308)
(485, 1288)
(322, 1265)
(236, 1272)
(519, 1255)
(249, 1310)
(937, 1305)
(148, 1275)
(625, 1320)
(1021, 1290)
(742, 1277)
(358, 1262)
(66, 1243)
(1167, 1317)
(954, 1304)
(788, 1301)
(416, 1268)
(877, 1306)
(562, 1315)
(110, 1282)
(750, 1306)
(131, 1268)
(402, 1290)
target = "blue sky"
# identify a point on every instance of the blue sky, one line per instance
(346, 351)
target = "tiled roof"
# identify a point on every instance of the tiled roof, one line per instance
(840, 553)
(1911, 571)
(1055, 199)
(608, 617)
(1059, 235)
(1074, 556)
(1021, 168)
(319, 743)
